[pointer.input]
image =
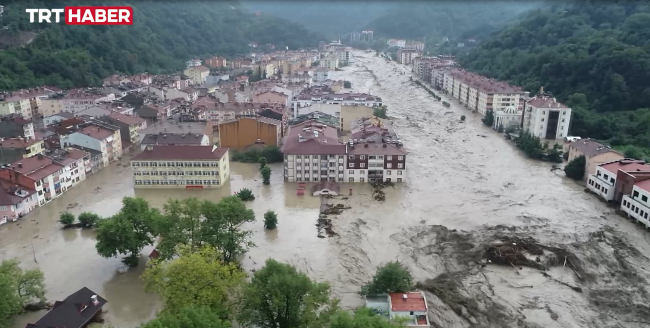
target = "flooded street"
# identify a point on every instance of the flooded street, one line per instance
(461, 176)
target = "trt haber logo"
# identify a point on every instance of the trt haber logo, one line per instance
(97, 15)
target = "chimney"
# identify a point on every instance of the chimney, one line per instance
(404, 297)
(93, 300)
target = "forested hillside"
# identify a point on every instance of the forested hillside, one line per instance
(333, 18)
(436, 19)
(164, 35)
(593, 55)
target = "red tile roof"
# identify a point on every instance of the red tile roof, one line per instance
(413, 302)
(126, 119)
(174, 152)
(302, 140)
(17, 143)
(626, 166)
(645, 185)
(96, 132)
(545, 102)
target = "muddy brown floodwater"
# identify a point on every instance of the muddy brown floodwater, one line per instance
(461, 176)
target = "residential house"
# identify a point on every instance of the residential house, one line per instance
(155, 111)
(181, 167)
(51, 105)
(245, 131)
(411, 306)
(98, 136)
(76, 311)
(37, 173)
(197, 74)
(27, 102)
(14, 125)
(546, 118)
(116, 80)
(637, 205)
(80, 99)
(74, 162)
(16, 201)
(130, 128)
(174, 139)
(321, 75)
(603, 182)
(219, 112)
(56, 118)
(594, 153)
(229, 95)
(14, 149)
(193, 63)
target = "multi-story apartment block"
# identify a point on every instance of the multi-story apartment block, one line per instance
(415, 45)
(130, 128)
(197, 74)
(546, 118)
(313, 154)
(181, 167)
(216, 62)
(604, 182)
(330, 62)
(98, 136)
(14, 125)
(246, 131)
(14, 149)
(480, 93)
(271, 97)
(15, 201)
(637, 204)
(343, 55)
(193, 63)
(325, 95)
(218, 112)
(26, 102)
(406, 56)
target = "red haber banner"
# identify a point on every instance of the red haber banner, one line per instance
(99, 15)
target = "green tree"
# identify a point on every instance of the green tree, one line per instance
(554, 154)
(363, 318)
(18, 288)
(263, 161)
(197, 278)
(380, 112)
(390, 278)
(347, 84)
(270, 220)
(245, 195)
(488, 120)
(633, 152)
(576, 168)
(530, 145)
(462, 118)
(67, 219)
(189, 316)
(128, 231)
(282, 297)
(222, 227)
(88, 219)
(266, 175)
(181, 223)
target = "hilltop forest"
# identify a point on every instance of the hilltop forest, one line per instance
(164, 35)
(592, 55)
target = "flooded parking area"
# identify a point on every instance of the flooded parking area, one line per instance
(465, 185)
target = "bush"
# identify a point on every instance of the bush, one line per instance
(271, 153)
(245, 195)
(576, 168)
(270, 220)
(462, 118)
(266, 175)
(381, 112)
(347, 84)
(262, 160)
(66, 218)
(489, 118)
(390, 278)
(88, 219)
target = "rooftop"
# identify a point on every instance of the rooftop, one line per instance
(645, 185)
(126, 119)
(376, 149)
(312, 138)
(483, 83)
(73, 312)
(545, 102)
(414, 301)
(36, 167)
(626, 166)
(591, 148)
(17, 142)
(16, 118)
(256, 118)
(173, 152)
(317, 116)
(96, 132)
(173, 139)
(12, 194)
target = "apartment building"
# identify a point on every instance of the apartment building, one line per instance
(26, 102)
(216, 62)
(415, 45)
(254, 130)
(344, 55)
(330, 62)
(98, 136)
(325, 95)
(406, 56)
(637, 205)
(157, 111)
(321, 75)
(197, 74)
(15, 201)
(14, 149)
(193, 63)
(603, 182)
(480, 93)
(546, 118)
(176, 166)
(218, 112)
(81, 99)
(271, 97)
(14, 125)
(130, 128)
(313, 154)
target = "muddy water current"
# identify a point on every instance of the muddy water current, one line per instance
(461, 176)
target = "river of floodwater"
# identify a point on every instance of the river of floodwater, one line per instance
(460, 175)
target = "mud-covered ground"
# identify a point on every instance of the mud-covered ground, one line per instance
(469, 189)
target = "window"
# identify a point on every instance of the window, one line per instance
(635, 194)
(605, 176)
(381, 157)
(611, 180)
(390, 158)
(362, 157)
(138, 182)
(363, 165)
(400, 166)
(351, 172)
(351, 157)
(154, 164)
(362, 172)
(299, 179)
(399, 179)
(399, 172)
(351, 179)
(389, 165)
(542, 120)
(388, 172)
(644, 198)
(144, 164)
(135, 164)
(190, 182)
(624, 202)
(400, 158)
(372, 157)
(351, 165)
(340, 179)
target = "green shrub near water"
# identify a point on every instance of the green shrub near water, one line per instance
(245, 195)
(271, 153)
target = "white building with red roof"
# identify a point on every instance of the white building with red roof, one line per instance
(546, 118)
(637, 205)
(411, 306)
(603, 181)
